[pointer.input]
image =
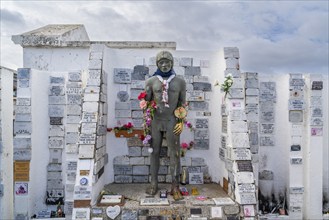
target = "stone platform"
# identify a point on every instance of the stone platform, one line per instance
(191, 207)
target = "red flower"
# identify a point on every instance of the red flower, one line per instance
(129, 125)
(142, 137)
(184, 145)
(142, 95)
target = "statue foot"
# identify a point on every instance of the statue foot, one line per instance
(152, 189)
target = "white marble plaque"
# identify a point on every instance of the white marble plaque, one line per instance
(74, 91)
(238, 83)
(296, 94)
(316, 101)
(135, 104)
(317, 121)
(74, 76)
(73, 119)
(239, 154)
(224, 124)
(296, 116)
(20, 143)
(137, 114)
(245, 177)
(122, 113)
(56, 130)
(23, 109)
(252, 92)
(72, 137)
(75, 99)
(267, 141)
(86, 151)
(122, 75)
(90, 106)
(87, 138)
(296, 189)
(23, 128)
(267, 91)
(122, 105)
(56, 110)
(296, 130)
(201, 123)
(71, 148)
(316, 112)
(238, 115)
(56, 142)
(200, 79)
(88, 128)
(22, 154)
(89, 117)
(134, 93)
(236, 93)
(239, 127)
(296, 104)
(57, 80)
(137, 122)
(252, 100)
(23, 117)
(246, 188)
(195, 178)
(23, 101)
(137, 84)
(92, 89)
(73, 110)
(267, 128)
(296, 83)
(56, 100)
(55, 156)
(81, 214)
(195, 96)
(240, 140)
(247, 198)
(201, 134)
(296, 199)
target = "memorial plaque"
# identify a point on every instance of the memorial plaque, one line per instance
(134, 93)
(201, 134)
(266, 175)
(122, 106)
(23, 109)
(135, 105)
(295, 147)
(238, 115)
(72, 137)
(23, 117)
(186, 61)
(246, 188)
(296, 189)
(251, 108)
(296, 160)
(316, 131)
(56, 110)
(56, 120)
(56, 130)
(245, 177)
(267, 114)
(74, 77)
(251, 83)
(24, 128)
(236, 104)
(267, 91)
(198, 78)
(71, 148)
(252, 92)
(55, 156)
(267, 141)
(222, 153)
(88, 128)
(223, 141)
(89, 117)
(23, 83)
(198, 106)
(253, 139)
(247, 198)
(139, 72)
(201, 123)
(123, 170)
(202, 86)
(137, 84)
(316, 101)
(239, 154)
(57, 100)
(192, 71)
(137, 114)
(73, 109)
(82, 193)
(232, 62)
(122, 75)
(295, 116)
(56, 90)
(23, 101)
(223, 110)
(74, 99)
(87, 138)
(123, 113)
(74, 90)
(236, 93)
(296, 199)
(123, 96)
(81, 213)
(73, 85)
(73, 119)
(57, 80)
(244, 166)
(22, 154)
(296, 104)
(92, 89)
(195, 178)
(23, 73)
(316, 112)
(201, 144)
(137, 122)
(317, 85)
(296, 83)
(86, 151)
(239, 127)
(224, 124)
(240, 140)
(252, 100)
(195, 96)
(267, 128)
(20, 143)
(317, 121)
(123, 179)
(56, 142)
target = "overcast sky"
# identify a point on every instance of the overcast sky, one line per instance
(272, 36)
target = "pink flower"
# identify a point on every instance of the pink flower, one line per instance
(143, 104)
(184, 145)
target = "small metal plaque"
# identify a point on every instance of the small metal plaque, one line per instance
(296, 160)
(296, 104)
(56, 120)
(195, 211)
(317, 85)
(122, 75)
(244, 166)
(295, 147)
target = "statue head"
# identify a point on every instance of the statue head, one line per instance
(164, 61)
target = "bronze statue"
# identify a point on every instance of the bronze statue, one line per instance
(169, 93)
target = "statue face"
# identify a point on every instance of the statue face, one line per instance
(165, 65)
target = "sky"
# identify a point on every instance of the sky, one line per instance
(272, 36)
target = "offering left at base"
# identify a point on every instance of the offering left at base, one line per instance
(59, 211)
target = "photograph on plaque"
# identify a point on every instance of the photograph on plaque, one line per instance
(249, 210)
(296, 160)
(315, 131)
(21, 188)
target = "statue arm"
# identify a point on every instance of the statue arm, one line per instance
(182, 94)
(148, 90)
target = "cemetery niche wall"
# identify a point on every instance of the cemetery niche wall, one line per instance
(268, 135)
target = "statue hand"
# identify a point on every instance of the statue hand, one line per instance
(178, 128)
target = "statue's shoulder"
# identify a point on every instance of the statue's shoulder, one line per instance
(180, 80)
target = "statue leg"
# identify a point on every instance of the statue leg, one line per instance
(155, 161)
(174, 145)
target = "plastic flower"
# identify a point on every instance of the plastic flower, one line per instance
(148, 108)
(228, 82)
